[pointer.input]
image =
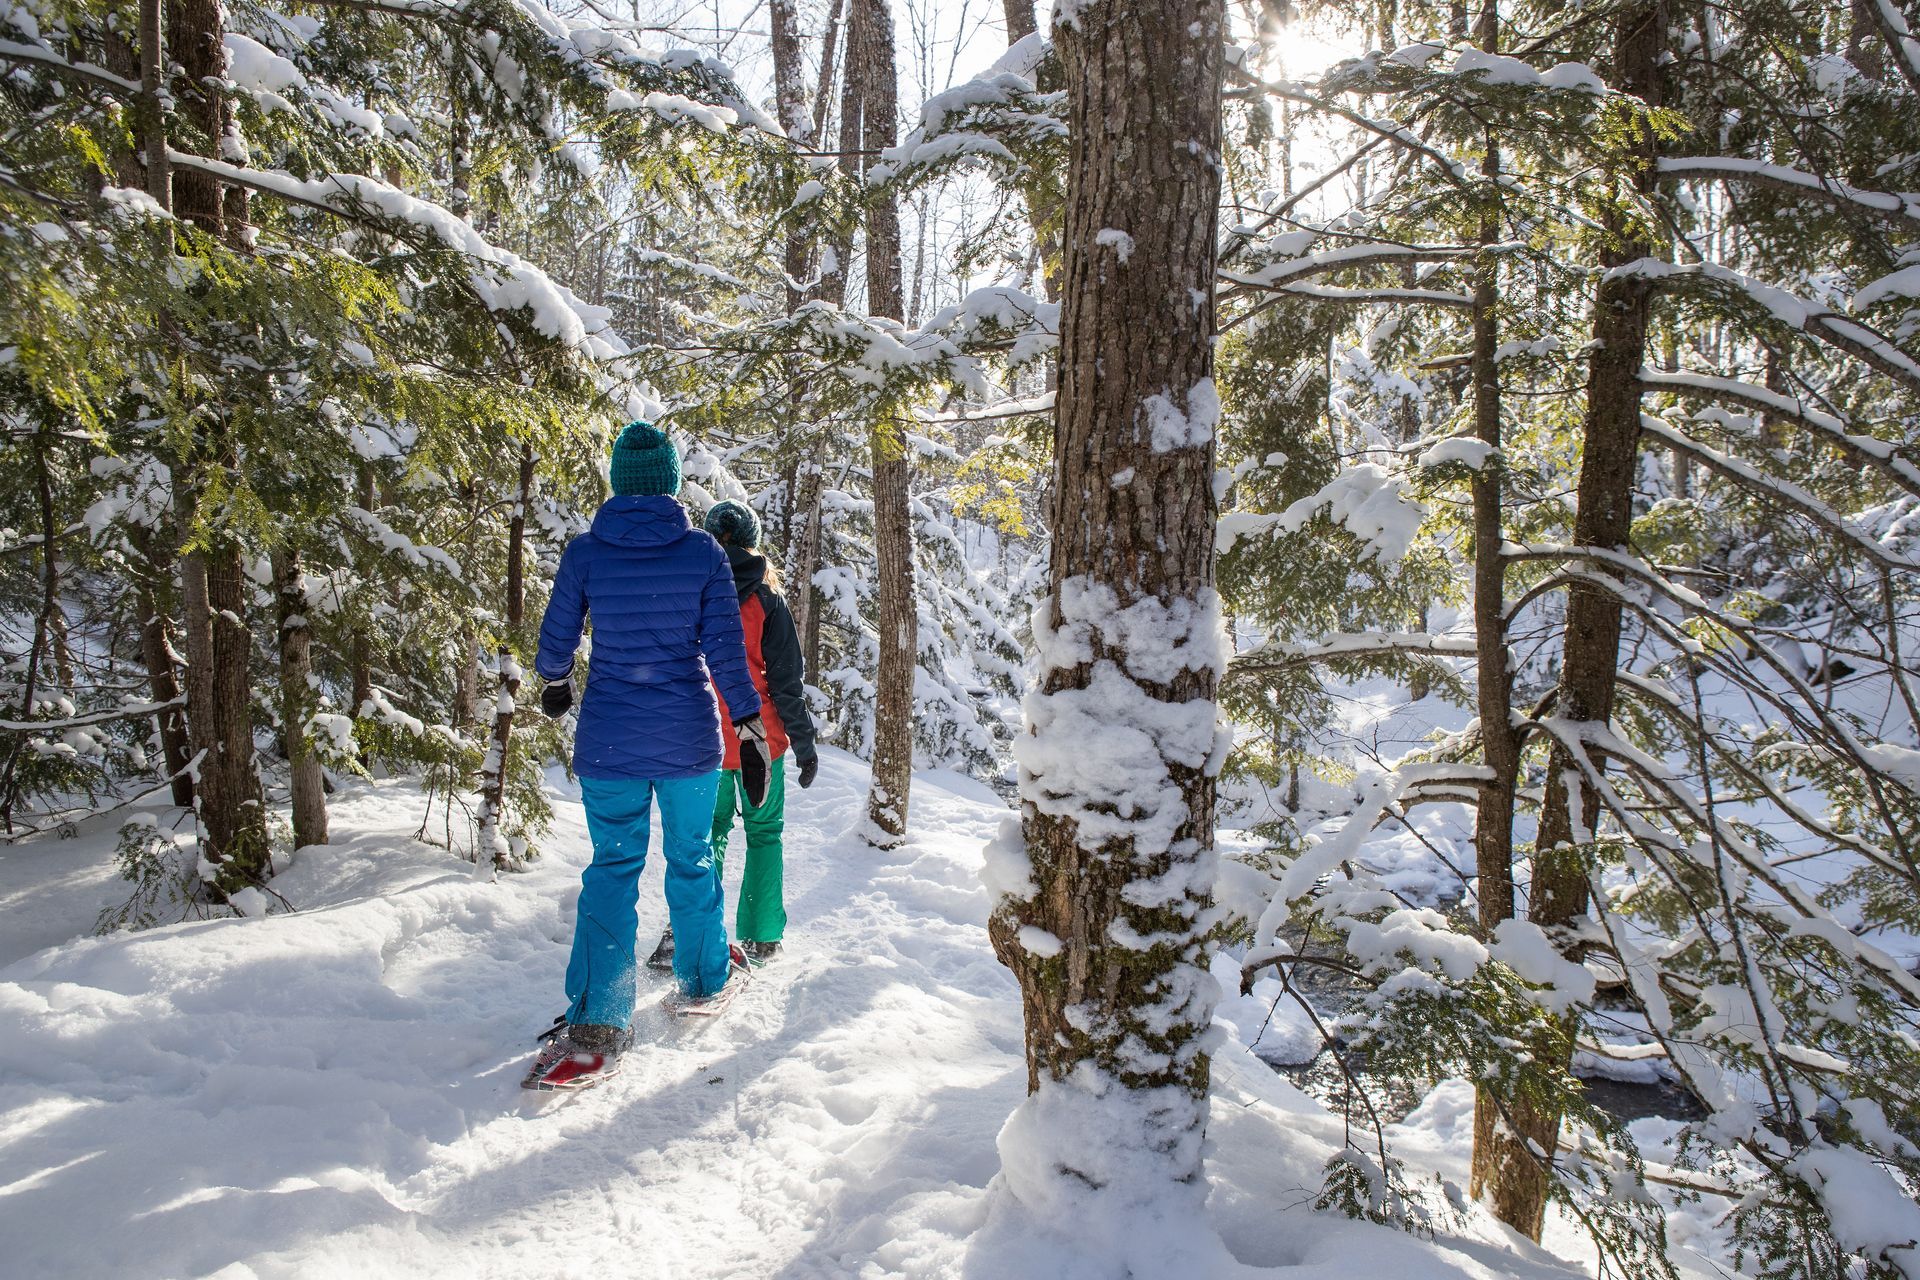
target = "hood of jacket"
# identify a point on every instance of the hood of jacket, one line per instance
(641, 520)
(749, 570)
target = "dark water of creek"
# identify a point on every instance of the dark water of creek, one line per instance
(1624, 1100)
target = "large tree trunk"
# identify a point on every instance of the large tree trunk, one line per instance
(195, 45)
(213, 592)
(789, 70)
(1516, 1180)
(1101, 916)
(159, 175)
(1500, 744)
(233, 828)
(144, 165)
(296, 701)
(871, 61)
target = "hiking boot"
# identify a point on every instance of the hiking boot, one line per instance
(662, 957)
(758, 953)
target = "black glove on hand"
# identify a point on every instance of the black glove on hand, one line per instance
(809, 770)
(556, 698)
(754, 758)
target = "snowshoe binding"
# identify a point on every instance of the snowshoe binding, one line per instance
(577, 1057)
(662, 957)
(739, 973)
(759, 953)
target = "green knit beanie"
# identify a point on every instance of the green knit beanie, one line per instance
(644, 462)
(734, 524)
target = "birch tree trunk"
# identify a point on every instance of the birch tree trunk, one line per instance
(1103, 888)
(871, 61)
(1515, 1178)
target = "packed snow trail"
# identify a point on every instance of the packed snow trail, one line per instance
(336, 1092)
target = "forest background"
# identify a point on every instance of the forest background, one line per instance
(1562, 420)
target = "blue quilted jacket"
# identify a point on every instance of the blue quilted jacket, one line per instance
(662, 597)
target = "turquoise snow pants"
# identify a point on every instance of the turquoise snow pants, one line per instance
(601, 974)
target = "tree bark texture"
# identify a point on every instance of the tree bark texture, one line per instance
(213, 594)
(789, 71)
(1115, 849)
(159, 172)
(829, 45)
(1021, 21)
(1500, 743)
(213, 591)
(309, 781)
(1515, 1182)
(871, 61)
(196, 46)
(153, 599)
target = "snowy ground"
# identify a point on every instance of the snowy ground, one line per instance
(335, 1092)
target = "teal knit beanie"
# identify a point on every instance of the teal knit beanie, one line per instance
(644, 462)
(735, 524)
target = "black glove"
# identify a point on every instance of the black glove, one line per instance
(556, 698)
(753, 759)
(809, 770)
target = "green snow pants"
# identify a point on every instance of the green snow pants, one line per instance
(762, 913)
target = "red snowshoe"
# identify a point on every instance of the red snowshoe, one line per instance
(577, 1057)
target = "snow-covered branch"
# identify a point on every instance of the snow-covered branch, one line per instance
(1862, 449)
(1905, 205)
(1776, 489)
(1282, 655)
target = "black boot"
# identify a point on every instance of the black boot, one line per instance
(758, 953)
(662, 957)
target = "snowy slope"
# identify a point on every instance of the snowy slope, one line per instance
(336, 1092)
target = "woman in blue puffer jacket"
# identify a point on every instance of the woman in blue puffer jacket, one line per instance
(665, 615)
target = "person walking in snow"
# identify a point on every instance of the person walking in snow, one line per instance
(666, 633)
(779, 677)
